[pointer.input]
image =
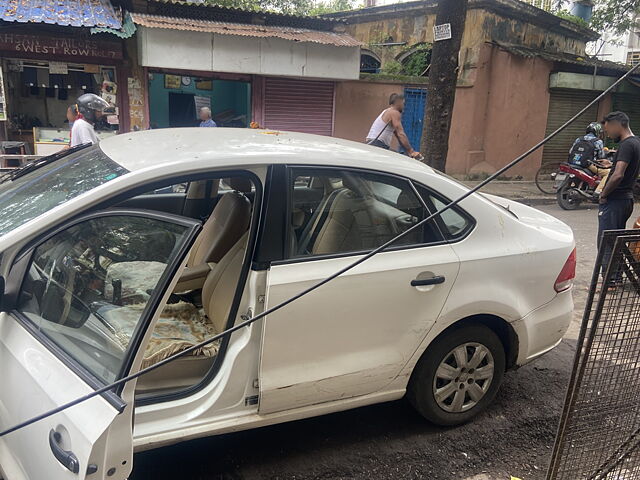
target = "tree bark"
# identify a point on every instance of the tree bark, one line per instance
(441, 87)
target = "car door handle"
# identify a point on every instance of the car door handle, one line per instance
(65, 457)
(435, 280)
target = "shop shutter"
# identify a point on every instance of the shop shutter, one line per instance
(564, 104)
(298, 105)
(630, 104)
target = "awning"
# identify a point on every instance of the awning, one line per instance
(559, 57)
(74, 13)
(301, 35)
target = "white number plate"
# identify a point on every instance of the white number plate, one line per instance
(560, 178)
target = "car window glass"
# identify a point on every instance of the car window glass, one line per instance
(35, 193)
(352, 212)
(455, 222)
(88, 286)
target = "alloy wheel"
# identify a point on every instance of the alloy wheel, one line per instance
(463, 377)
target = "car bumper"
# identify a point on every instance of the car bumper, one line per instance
(543, 329)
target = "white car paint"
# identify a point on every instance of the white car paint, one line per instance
(300, 364)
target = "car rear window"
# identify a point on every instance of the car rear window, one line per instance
(31, 195)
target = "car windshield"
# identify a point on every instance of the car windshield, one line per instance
(31, 195)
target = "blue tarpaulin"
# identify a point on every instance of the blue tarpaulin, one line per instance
(74, 13)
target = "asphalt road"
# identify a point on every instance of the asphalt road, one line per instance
(390, 441)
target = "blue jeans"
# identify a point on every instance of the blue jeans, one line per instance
(613, 215)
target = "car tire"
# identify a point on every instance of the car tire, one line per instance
(438, 383)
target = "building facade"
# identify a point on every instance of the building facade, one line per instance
(48, 58)
(162, 61)
(523, 72)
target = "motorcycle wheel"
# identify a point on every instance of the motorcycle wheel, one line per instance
(565, 199)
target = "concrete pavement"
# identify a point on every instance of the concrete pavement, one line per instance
(522, 191)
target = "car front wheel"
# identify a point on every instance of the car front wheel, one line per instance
(458, 376)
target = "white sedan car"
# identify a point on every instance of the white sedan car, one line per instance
(117, 256)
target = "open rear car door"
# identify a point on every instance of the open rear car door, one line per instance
(75, 312)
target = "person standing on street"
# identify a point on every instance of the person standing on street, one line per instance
(205, 118)
(90, 108)
(388, 124)
(72, 115)
(616, 199)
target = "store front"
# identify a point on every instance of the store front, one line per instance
(175, 99)
(45, 74)
(279, 77)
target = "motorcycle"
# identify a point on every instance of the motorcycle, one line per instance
(575, 184)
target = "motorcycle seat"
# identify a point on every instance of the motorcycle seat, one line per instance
(577, 167)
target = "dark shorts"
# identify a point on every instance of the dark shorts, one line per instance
(378, 143)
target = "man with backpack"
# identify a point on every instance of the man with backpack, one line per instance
(589, 149)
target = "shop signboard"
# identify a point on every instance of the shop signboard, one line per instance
(23, 45)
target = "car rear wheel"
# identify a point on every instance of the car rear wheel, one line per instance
(458, 376)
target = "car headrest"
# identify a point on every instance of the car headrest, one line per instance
(241, 184)
(198, 189)
(356, 185)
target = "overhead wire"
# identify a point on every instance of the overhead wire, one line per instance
(306, 291)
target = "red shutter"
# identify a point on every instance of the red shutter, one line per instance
(298, 105)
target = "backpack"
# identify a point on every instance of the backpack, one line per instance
(582, 153)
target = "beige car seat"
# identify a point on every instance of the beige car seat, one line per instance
(183, 325)
(228, 222)
(352, 220)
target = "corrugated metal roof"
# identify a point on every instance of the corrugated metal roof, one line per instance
(246, 30)
(561, 57)
(75, 13)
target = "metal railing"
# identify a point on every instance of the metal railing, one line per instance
(599, 433)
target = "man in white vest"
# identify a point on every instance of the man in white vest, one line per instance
(388, 124)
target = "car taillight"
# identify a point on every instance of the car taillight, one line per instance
(567, 274)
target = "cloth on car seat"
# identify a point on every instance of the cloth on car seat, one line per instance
(182, 325)
(179, 327)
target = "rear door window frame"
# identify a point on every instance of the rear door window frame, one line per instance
(288, 259)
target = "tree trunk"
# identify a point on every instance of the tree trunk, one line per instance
(441, 87)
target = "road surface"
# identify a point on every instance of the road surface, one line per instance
(390, 441)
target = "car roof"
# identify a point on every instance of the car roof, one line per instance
(237, 146)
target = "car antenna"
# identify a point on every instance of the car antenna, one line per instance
(315, 286)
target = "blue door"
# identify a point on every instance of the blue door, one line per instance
(415, 100)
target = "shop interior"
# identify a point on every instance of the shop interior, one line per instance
(39, 93)
(174, 101)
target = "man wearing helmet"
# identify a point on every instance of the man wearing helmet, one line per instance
(588, 149)
(90, 107)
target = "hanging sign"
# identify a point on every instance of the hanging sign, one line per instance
(442, 32)
(58, 68)
(3, 103)
(202, 102)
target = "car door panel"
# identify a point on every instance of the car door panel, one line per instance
(34, 381)
(51, 355)
(353, 335)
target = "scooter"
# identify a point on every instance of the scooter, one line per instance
(574, 185)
